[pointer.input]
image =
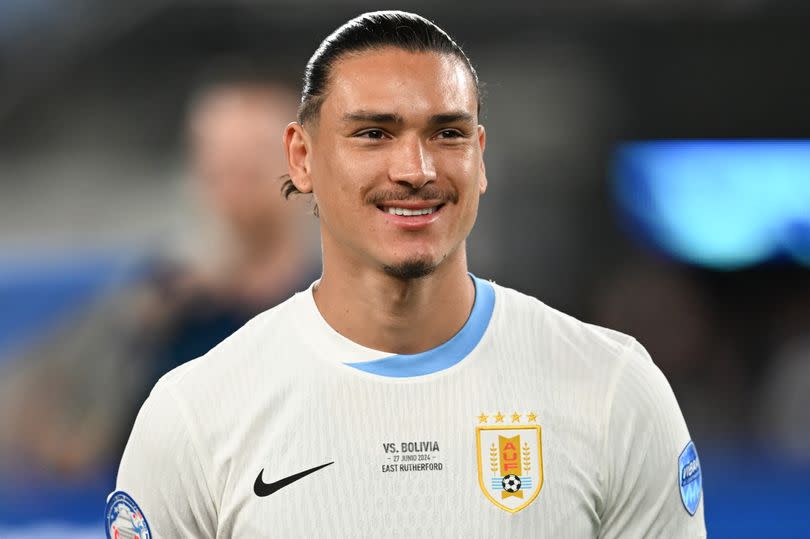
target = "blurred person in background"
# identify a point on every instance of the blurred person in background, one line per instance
(263, 254)
(66, 408)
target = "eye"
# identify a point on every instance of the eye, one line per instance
(374, 134)
(449, 134)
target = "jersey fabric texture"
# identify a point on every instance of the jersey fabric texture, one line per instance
(528, 423)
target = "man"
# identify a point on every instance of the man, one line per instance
(400, 396)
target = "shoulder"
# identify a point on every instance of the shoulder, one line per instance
(201, 398)
(519, 312)
(256, 346)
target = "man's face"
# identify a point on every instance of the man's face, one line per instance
(395, 160)
(236, 154)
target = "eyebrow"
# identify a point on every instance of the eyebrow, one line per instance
(452, 117)
(392, 118)
(375, 117)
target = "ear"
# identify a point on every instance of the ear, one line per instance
(482, 143)
(297, 146)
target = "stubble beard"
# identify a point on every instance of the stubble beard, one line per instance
(410, 269)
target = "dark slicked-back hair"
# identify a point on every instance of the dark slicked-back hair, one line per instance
(371, 31)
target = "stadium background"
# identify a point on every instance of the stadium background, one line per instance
(93, 182)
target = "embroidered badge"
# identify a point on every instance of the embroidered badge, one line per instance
(510, 460)
(690, 479)
(123, 518)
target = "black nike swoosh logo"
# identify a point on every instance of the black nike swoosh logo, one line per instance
(263, 489)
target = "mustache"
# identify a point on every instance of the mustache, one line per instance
(424, 193)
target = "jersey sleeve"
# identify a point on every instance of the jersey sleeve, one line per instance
(162, 471)
(645, 444)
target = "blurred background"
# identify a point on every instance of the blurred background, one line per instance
(649, 170)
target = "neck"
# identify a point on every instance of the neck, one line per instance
(379, 311)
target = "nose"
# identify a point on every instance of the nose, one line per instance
(412, 163)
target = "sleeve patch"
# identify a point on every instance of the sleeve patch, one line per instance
(690, 479)
(123, 518)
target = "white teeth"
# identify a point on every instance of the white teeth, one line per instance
(406, 211)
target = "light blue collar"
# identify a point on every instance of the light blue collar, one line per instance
(446, 355)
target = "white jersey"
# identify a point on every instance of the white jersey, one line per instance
(527, 423)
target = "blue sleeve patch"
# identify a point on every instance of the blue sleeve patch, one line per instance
(123, 518)
(690, 479)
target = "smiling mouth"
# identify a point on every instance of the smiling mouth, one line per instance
(410, 212)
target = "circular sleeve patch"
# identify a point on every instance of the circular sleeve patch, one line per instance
(123, 518)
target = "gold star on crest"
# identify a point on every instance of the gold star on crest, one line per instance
(532, 417)
(515, 417)
(483, 418)
(499, 418)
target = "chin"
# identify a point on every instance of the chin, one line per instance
(416, 268)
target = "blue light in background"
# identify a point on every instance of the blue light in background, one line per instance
(725, 204)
